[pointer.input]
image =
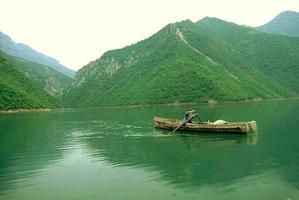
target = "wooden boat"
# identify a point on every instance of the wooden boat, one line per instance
(226, 127)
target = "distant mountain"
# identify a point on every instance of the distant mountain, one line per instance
(23, 51)
(47, 78)
(192, 62)
(19, 92)
(286, 23)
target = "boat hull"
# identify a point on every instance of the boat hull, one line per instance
(229, 127)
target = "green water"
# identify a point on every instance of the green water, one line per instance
(116, 153)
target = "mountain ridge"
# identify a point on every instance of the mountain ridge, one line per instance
(26, 52)
(190, 62)
(285, 23)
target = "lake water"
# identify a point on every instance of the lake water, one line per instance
(116, 153)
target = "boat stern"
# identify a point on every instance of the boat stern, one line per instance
(251, 127)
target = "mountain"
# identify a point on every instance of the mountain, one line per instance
(23, 51)
(192, 62)
(286, 23)
(19, 92)
(52, 81)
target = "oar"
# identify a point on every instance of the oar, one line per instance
(183, 123)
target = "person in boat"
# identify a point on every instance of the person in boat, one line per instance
(187, 118)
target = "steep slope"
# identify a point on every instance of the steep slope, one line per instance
(269, 59)
(286, 23)
(191, 62)
(17, 91)
(23, 51)
(52, 81)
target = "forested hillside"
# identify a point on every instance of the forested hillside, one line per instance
(52, 81)
(19, 92)
(286, 23)
(192, 62)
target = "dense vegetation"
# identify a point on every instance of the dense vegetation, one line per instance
(23, 51)
(286, 23)
(17, 91)
(52, 81)
(192, 62)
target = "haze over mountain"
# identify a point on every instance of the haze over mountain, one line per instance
(192, 62)
(26, 52)
(286, 23)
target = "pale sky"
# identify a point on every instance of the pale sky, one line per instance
(76, 32)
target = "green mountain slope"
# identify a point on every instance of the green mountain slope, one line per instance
(17, 91)
(24, 51)
(286, 23)
(52, 81)
(192, 62)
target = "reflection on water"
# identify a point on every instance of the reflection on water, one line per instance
(116, 153)
(184, 160)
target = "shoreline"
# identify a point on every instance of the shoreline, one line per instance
(208, 102)
(26, 110)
